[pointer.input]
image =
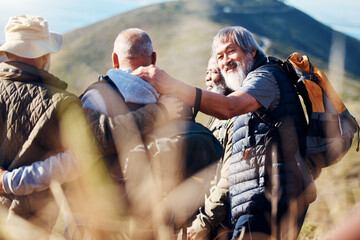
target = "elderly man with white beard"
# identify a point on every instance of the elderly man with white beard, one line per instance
(265, 182)
(214, 80)
(212, 217)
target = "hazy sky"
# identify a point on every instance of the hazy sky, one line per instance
(67, 15)
(342, 15)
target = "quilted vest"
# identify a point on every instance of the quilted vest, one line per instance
(29, 100)
(253, 166)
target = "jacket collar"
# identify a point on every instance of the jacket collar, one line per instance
(259, 60)
(18, 71)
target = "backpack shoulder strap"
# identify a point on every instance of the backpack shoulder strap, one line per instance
(112, 97)
(275, 117)
(93, 86)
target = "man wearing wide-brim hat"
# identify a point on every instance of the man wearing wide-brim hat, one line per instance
(33, 104)
(30, 100)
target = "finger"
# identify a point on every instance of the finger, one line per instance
(179, 105)
(140, 71)
(136, 72)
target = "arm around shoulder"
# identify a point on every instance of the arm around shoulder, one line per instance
(36, 177)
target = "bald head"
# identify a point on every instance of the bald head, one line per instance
(133, 48)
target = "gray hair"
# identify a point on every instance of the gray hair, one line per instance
(239, 35)
(133, 42)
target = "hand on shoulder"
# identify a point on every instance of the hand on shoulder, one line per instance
(157, 77)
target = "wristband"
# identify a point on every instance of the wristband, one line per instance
(197, 102)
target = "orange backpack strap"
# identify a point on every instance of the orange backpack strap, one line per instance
(316, 82)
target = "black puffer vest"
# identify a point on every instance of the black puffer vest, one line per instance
(264, 146)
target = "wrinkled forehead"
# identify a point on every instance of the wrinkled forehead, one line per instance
(225, 47)
(222, 40)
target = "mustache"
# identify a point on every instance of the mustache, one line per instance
(209, 84)
(230, 65)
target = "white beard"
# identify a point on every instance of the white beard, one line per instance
(235, 78)
(217, 88)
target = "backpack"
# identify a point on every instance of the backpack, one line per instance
(331, 127)
(188, 144)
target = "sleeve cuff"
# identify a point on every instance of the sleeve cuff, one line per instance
(6, 179)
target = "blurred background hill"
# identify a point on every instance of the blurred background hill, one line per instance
(182, 33)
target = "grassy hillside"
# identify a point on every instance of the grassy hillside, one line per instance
(338, 194)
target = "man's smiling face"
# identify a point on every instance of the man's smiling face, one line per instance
(234, 63)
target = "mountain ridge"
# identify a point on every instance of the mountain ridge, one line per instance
(182, 33)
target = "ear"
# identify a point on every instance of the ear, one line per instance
(253, 53)
(115, 61)
(153, 58)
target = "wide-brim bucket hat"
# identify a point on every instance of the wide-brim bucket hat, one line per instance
(29, 37)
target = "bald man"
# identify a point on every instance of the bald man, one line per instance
(132, 48)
